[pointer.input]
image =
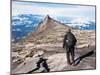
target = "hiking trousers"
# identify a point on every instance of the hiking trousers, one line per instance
(70, 55)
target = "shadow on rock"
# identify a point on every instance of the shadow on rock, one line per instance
(77, 61)
(44, 64)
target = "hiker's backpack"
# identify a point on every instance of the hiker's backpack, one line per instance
(70, 39)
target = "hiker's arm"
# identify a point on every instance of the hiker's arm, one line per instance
(64, 41)
(75, 40)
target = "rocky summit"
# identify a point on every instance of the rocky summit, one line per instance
(46, 42)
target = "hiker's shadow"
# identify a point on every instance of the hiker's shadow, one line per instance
(79, 59)
(44, 64)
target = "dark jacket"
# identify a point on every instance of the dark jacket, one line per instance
(69, 40)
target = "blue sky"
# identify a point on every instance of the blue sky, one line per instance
(53, 9)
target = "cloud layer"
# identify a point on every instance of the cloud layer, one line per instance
(52, 9)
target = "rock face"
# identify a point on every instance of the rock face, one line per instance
(47, 41)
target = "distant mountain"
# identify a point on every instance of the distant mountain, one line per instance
(48, 23)
(47, 27)
(23, 24)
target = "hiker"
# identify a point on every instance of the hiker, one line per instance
(69, 44)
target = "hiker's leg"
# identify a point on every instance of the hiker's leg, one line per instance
(68, 56)
(72, 54)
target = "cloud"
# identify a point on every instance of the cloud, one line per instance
(52, 9)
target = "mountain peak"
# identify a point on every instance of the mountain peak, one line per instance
(45, 24)
(49, 23)
(47, 17)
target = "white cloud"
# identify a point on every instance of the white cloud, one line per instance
(66, 11)
(81, 20)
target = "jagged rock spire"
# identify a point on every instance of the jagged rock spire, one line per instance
(47, 16)
(45, 23)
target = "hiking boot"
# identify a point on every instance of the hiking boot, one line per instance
(73, 64)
